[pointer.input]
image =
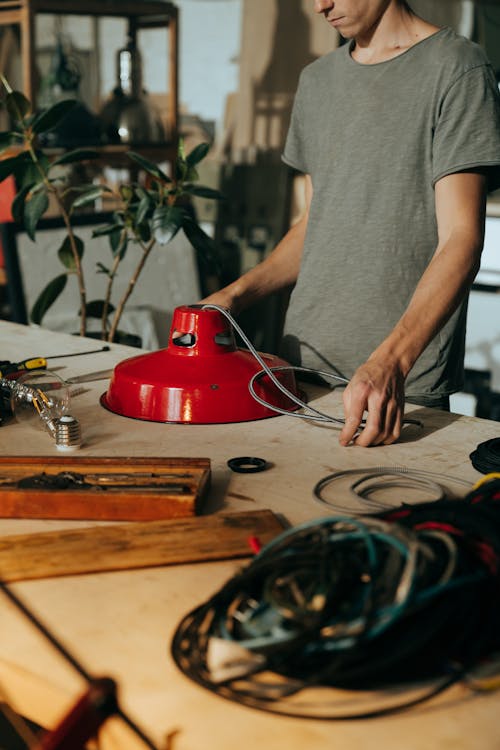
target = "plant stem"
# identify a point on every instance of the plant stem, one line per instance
(78, 265)
(146, 249)
(109, 288)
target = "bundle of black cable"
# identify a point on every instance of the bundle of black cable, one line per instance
(486, 457)
(406, 596)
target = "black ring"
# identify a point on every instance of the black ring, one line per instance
(247, 464)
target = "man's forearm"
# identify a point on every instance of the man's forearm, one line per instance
(460, 208)
(278, 271)
(377, 386)
(442, 288)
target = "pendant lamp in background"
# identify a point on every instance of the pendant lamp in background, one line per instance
(128, 116)
(201, 377)
(79, 127)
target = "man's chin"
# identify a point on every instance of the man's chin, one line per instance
(343, 34)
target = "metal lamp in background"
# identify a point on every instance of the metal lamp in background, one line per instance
(80, 126)
(128, 116)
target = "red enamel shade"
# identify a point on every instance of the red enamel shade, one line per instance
(201, 377)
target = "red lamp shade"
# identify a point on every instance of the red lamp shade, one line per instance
(201, 377)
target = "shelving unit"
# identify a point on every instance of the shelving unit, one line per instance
(139, 15)
(20, 16)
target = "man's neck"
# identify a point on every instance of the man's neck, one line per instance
(396, 31)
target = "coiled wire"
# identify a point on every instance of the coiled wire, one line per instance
(344, 618)
(486, 457)
(371, 480)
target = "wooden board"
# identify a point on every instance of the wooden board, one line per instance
(119, 489)
(134, 545)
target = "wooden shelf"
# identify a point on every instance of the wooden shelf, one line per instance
(164, 10)
(115, 155)
(152, 14)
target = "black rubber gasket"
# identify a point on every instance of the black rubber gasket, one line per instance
(247, 464)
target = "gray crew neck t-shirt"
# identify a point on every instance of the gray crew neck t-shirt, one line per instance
(375, 140)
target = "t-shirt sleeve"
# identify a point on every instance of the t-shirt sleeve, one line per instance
(467, 134)
(295, 151)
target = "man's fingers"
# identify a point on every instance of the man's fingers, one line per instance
(354, 410)
(349, 430)
(382, 398)
(374, 431)
(383, 425)
(394, 423)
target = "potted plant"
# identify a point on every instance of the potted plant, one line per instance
(147, 215)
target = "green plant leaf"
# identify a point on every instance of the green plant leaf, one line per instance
(181, 150)
(29, 120)
(65, 253)
(89, 196)
(141, 192)
(118, 242)
(142, 209)
(78, 154)
(126, 193)
(203, 192)
(144, 231)
(50, 117)
(95, 308)
(197, 154)
(204, 245)
(37, 187)
(101, 268)
(43, 160)
(191, 174)
(17, 207)
(8, 137)
(17, 105)
(33, 212)
(105, 229)
(181, 170)
(166, 222)
(152, 169)
(11, 165)
(27, 172)
(47, 298)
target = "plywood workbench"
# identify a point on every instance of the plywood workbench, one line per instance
(121, 623)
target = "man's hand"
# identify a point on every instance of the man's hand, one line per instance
(222, 298)
(378, 389)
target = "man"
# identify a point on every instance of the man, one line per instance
(398, 133)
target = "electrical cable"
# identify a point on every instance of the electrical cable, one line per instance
(366, 606)
(374, 479)
(309, 411)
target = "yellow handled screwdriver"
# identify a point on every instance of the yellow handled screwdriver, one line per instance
(33, 363)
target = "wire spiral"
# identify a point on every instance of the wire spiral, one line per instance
(334, 618)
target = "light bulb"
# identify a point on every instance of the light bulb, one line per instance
(39, 398)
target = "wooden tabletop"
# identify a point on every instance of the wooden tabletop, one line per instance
(121, 623)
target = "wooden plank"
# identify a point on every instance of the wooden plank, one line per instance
(107, 489)
(134, 545)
